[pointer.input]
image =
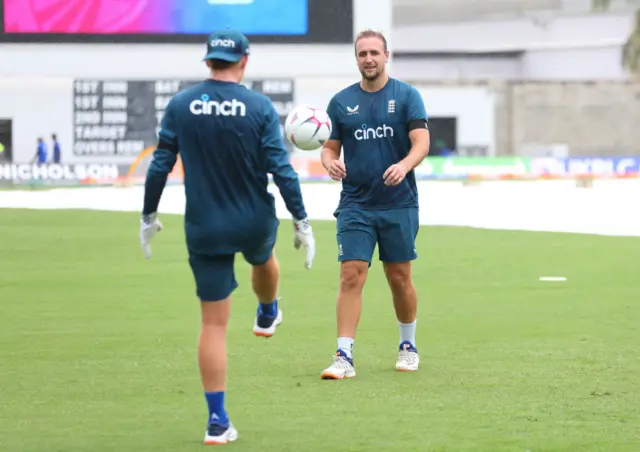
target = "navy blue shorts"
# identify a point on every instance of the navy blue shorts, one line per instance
(215, 274)
(394, 231)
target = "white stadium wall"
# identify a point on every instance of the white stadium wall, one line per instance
(145, 61)
(37, 109)
(528, 33)
(582, 47)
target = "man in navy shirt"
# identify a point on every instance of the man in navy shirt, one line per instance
(57, 152)
(41, 152)
(229, 139)
(381, 125)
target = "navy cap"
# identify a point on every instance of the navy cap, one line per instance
(227, 45)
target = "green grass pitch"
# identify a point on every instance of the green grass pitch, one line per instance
(98, 345)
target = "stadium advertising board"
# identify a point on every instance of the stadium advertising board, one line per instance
(60, 172)
(526, 167)
(63, 174)
(484, 167)
(162, 21)
(119, 118)
(311, 169)
(585, 166)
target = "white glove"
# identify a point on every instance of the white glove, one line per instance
(149, 227)
(303, 237)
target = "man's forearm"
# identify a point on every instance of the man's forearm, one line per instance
(288, 183)
(153, 188)
(416, 155)
(328, 155)
(157, 176)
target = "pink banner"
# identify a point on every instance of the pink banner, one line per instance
(79, 16)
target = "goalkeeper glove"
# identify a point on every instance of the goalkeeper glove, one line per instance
(149, 227)
(303, 237)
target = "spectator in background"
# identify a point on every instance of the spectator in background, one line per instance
(41, 153)
(442, 149)
(56, 149)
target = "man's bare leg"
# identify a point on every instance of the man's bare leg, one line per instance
(265, 280)
(353, 275)
(212, 360)
(405, 302)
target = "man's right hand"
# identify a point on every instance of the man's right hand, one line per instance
(336, 170)
(149, 227)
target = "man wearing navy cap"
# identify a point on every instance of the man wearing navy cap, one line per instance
(228, 45)
(229, 139)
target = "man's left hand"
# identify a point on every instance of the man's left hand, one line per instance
(395, 174)
(303, 238)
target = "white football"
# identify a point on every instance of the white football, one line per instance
(307, 127)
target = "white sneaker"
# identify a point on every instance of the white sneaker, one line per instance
(341, 368)
(215, 435)
(266, 326)
(408, 359)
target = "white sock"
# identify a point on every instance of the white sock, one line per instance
(408, 332)
(346, 345)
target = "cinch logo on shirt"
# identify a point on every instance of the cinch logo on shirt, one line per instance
(371, 133)
(206, 106)
(229, 43)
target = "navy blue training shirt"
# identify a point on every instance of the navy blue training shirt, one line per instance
(373, 128)
(228, 138)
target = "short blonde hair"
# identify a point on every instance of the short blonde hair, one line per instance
(369, 33)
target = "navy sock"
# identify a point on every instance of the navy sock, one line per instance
(217, 413)
(270, 310)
